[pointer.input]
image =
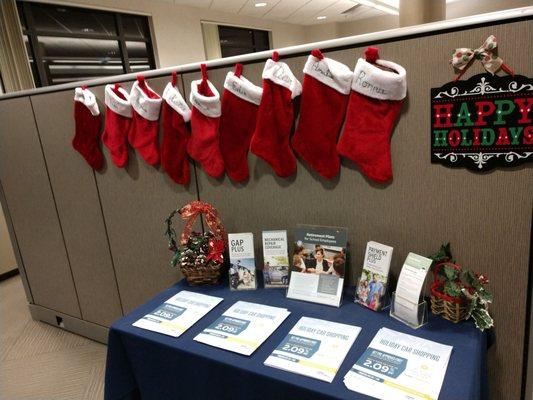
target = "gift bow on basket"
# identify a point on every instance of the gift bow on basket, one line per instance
(217, 244)
(464, 57)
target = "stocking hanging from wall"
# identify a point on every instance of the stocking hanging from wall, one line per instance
(176, 114)
(87, 121)
(240, 103)
(143, 134)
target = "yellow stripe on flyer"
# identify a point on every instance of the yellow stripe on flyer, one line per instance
(408, 390)
(317, 366)
(242, 341)
(173, 325)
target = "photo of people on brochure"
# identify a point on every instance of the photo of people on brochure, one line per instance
(319, 259)
(242, 274)
(371, 289)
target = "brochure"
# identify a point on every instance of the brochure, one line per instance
(323, 289)
(242, 273)
(409, 288)
(397, 366)
(276, 259)
(243, 327)
(372, 285)
(178, 313)
(314, 348)
(318, 264)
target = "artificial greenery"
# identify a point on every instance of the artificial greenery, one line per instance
(192, 253)
(443, 254)
(465, 285)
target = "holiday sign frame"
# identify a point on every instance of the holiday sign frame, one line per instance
(483, 123)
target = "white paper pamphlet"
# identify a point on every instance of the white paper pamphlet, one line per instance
(315, 348)
(178, 313)
(318, 288)
(243, 327)
(409, 287)
(397, 366)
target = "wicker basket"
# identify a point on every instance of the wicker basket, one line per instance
(203, 265)
(451, 308)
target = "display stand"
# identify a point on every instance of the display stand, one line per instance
(401, 314)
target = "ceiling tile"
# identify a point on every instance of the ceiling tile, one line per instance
(311, 10)
(284, 8)
(250, 10)
(230, 6)
(193, 3)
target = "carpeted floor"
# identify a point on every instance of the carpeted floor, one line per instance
(41, 362)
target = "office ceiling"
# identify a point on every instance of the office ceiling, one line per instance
(302, 12)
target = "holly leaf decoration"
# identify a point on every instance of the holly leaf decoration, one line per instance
(482, 318)
(443, 254)
(471, 279)
(175, 258)
(452, 289)
(450, 273)
(485, 296)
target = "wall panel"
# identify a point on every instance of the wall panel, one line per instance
(135, 201)
(78, 205)
(487, 216)
(32, 209)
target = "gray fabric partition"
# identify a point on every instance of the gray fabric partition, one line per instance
(78, 207)
(31, 207)
(92, 244)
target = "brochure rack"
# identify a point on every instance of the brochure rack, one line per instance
(421, 316)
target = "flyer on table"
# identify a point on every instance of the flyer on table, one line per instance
(314, 348)
(243, 327)
(178, 313)
(397, 366)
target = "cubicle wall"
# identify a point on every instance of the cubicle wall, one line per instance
(91, 245)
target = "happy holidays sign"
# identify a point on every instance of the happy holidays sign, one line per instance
(483, 122)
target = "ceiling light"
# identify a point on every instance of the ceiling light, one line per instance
(321, 17)
(260, 4)
(380, 7)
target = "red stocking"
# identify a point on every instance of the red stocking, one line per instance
(240, 102)
(143, 135)
(270, 140)
(203, 145)
(117, 123)
(87, 120)
(375, 103)
(324, 99)
(175, 134)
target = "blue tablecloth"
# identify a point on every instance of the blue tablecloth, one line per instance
(161, 367)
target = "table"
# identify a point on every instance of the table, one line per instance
(149, 365)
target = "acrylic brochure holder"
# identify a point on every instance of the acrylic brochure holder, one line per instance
(415, 316)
